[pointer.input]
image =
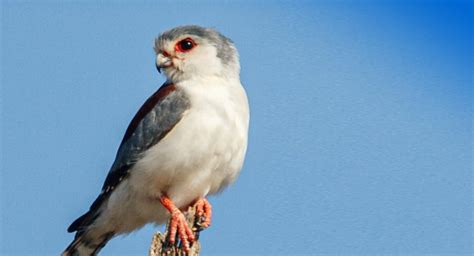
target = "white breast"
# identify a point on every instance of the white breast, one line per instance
(205, 151)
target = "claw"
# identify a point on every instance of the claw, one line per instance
(204, 212)
(178, 225)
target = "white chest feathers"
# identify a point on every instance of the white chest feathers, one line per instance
(205, 151)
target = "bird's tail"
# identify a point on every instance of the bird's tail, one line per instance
(83, 246)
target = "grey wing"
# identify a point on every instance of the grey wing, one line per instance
(158, 115)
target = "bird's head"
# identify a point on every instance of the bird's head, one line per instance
(189, 51)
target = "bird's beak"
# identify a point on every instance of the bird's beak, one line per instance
(163, 61)
(158, 68)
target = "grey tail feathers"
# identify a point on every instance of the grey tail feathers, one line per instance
(84, 247)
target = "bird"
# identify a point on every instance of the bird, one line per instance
(186, 142)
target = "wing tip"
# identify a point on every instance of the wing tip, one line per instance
(79, 222)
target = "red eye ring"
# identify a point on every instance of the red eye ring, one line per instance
(185, 45)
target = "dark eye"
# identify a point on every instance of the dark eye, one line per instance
(185, 45)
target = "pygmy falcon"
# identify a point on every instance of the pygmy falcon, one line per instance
(186, 142)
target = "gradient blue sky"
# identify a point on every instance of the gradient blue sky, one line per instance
(361, 122)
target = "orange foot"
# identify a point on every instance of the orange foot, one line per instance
(204, 212)
(178, 224)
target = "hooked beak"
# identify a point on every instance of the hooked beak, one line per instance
(163, 61)
(158, 68)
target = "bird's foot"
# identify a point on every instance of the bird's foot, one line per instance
(204, 213)
(178, 226)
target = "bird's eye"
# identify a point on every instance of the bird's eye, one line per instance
(185, 45)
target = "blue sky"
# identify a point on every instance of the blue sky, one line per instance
(360, 135)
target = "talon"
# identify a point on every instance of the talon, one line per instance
(178, 225)
(204, 212)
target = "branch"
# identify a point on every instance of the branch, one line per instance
(160, 247)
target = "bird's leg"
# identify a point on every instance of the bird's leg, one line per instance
(178, 224)
(204, 212)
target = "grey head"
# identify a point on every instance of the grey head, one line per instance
(188, 51)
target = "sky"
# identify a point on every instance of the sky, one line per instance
(360, 138)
